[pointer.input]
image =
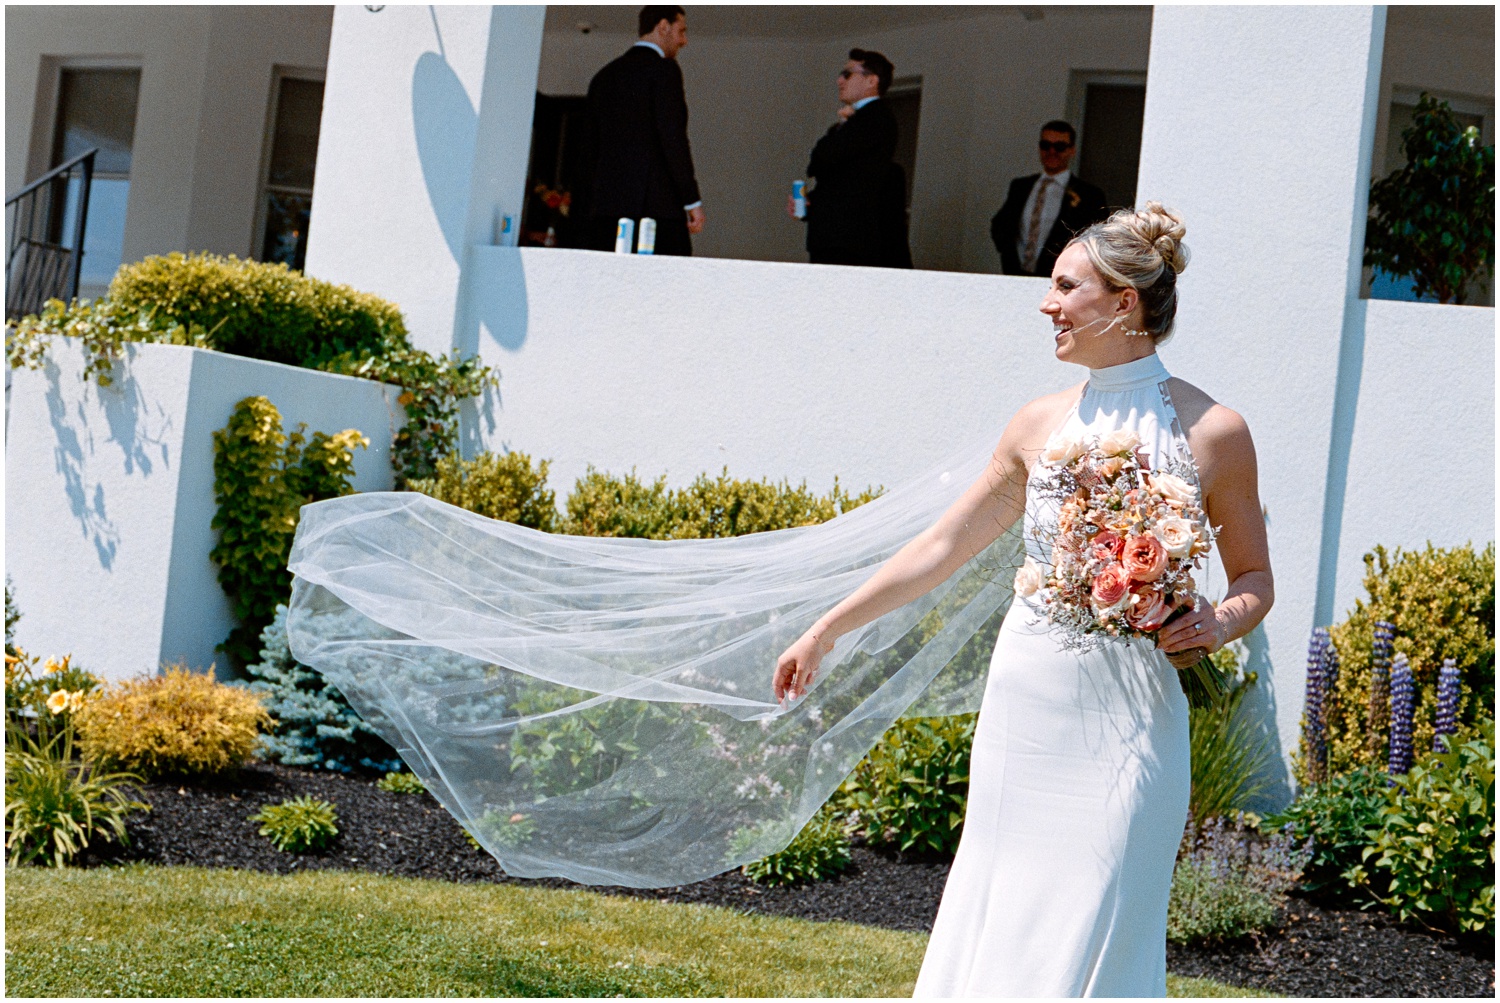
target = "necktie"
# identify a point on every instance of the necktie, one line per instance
(1034, 230)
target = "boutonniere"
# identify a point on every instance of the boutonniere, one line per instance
(1073, 199)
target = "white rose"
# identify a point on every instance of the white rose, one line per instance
(1063, 451)
(1174, 489)
(1119, 442)
(1029, 578)
(1176, 534)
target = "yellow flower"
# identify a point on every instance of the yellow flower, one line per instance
(52, 665)
(59, 701)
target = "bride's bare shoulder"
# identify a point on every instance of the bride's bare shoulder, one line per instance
(1210, 426)
(1046, 413)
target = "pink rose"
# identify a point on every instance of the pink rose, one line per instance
(1108, 546)
(1110, 587)
(1148, 610)
(1144, 558)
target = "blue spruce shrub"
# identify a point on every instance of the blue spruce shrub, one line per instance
(316, 726)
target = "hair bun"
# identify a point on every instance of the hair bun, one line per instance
(1163, 229)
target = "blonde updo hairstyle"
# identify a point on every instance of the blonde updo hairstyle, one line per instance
(1141, 249)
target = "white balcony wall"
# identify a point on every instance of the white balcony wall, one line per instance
(109, 495)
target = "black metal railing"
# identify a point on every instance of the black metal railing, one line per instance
(45, 256)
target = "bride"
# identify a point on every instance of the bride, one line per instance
(1079, 781)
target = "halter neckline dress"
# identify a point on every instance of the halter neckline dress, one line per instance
(1078, 791)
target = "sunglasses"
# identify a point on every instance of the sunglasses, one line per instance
(846, 74)
(1046, 146)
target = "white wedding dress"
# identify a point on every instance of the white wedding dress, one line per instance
(1078, 788)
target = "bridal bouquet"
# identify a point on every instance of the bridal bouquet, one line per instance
(1128, 540)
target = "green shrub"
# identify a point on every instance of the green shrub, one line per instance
(1230, 882)
(179, 723)
(1337, 815)
(508, 830)
(397, 782)
(104, 327)
(503, 486)
(1229, 755)
(911, 790)
(315, 726)
(55, 804)
(605, 505)
(1436, 838)
(1442, 603)
(300, 824)
(819, 851)
(262, 478)
(1434, 219)
(261, 310)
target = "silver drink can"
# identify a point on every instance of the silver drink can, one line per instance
(625, 235)
(646, 242)
(799, 198)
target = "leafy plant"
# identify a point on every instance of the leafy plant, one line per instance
(1434, 219)
(1435, 839)
(266, 311)
(315, 726)
(179, 723)
(819, 851)
(397, 782)
(911, 790)
(505, 486)
(262, 478)
(58, 689)
(1229, 755)
(1442, 605)
(299, 824)
(1337, 816)
(508, 830)
(12, 617)
(1230, 882)
(54, 803)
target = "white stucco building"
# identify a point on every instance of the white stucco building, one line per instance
(1263, 125)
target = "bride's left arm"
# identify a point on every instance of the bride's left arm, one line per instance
(1231, 497)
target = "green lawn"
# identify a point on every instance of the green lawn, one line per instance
(177, 931)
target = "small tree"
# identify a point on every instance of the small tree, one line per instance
(1434, 219)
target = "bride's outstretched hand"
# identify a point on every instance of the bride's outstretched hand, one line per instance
(1193, 633)
(796, 666)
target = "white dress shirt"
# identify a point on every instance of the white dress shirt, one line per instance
(657, 49)
(1051, 209)
(864, 101)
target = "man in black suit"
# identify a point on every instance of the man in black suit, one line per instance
(856, 213)
(1043, 211)
(644, 166)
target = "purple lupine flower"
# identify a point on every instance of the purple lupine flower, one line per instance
(1446, 720)
(1378, 707)
(1314, 724)
(1403, 705)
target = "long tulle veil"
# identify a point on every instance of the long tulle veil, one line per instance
(600, 709)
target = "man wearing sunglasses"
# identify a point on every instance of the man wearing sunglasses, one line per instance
(856, 214)
(1043, 211)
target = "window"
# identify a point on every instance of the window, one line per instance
(96, 109)
(1109, 119)
(286, 200)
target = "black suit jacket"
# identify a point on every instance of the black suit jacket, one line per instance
(857, 208)
(643, 164)
(1082, 206)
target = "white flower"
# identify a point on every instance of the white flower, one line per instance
(1174, 489)
(1176, 534)
(1118, 442)
(1029, 578)
(1063, 450)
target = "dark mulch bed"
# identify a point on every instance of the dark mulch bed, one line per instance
(1314, 952)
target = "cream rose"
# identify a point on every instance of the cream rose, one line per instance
(1120, 442)
(1029, 578)
(1176, 534)
(1174, 489)
(1063, 451)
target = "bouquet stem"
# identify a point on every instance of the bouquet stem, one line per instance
(1203, 684)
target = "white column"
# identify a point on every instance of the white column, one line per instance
(425, 134)
(1259, 125)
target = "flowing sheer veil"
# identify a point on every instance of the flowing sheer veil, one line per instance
(600, 709)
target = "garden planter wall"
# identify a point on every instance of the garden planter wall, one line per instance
(109, 494)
